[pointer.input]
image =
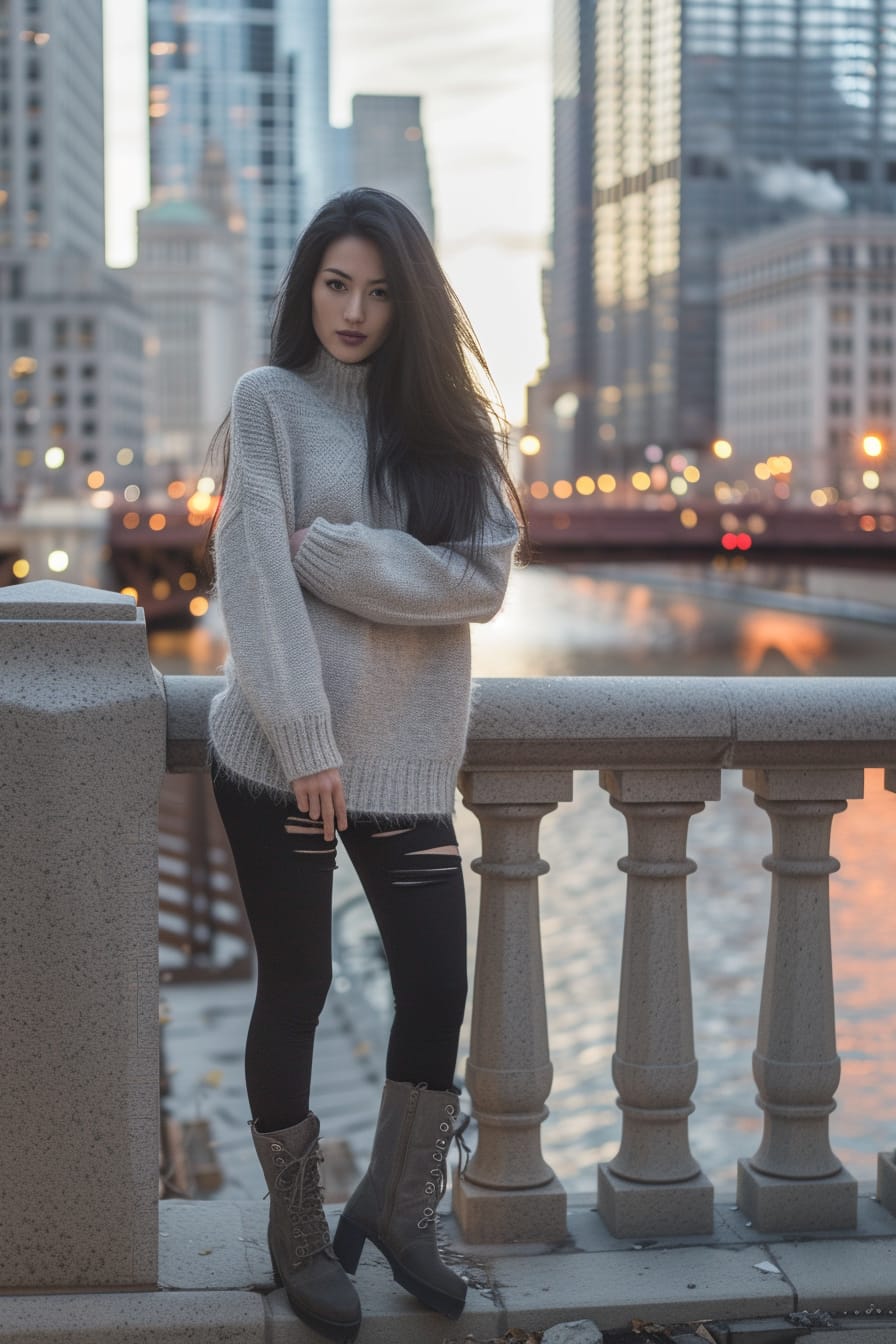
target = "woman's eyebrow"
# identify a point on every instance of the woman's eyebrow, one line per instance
(345, 275)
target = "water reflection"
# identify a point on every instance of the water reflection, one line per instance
(781, 642)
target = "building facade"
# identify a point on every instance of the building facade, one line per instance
(715, 118)
(807, 365)
(252, 76)
(71, 337)
(190, 279)
(387, 150)
(561, 404)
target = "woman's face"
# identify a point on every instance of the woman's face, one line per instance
(350, 305)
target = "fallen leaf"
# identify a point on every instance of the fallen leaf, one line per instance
(766, 1267)
(208, 1252)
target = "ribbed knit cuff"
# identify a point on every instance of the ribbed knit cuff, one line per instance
(319, 554)
(305, 746)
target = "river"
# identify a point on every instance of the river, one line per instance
(590, 620)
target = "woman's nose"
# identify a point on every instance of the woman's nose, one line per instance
(354, 308)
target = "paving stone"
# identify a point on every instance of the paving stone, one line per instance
(841, 1275)
(674, 1284)
(201, 1245)
(139, 1318)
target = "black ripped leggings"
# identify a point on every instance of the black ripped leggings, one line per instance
(285, 872)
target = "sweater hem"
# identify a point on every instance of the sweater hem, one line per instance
(377, 787)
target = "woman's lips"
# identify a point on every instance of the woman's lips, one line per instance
(352, 337)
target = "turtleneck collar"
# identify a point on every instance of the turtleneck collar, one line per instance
(340, 382)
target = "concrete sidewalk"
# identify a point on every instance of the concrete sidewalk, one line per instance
(217, 1287)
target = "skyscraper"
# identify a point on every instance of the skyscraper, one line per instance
(388, 151)
(561, 404)
(71, 355)
(238, 72)
(715, 118)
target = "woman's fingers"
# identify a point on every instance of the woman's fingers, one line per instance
(339, 805)
(322, 797)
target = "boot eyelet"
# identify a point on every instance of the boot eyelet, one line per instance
(444, 1128)
(427, 1213)
(437, 1157)
(449, 1110)
(440, 1143)
(423, 1224)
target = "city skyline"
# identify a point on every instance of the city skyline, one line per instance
(484, 80)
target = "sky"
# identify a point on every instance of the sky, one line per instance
(482, 69)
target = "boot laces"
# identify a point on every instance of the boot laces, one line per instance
(299, 1182)
(435, 1188)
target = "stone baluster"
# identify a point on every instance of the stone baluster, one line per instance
(509, 1193)
(794, 1182)
(82, 755)
(886, 1160)
(653, 1186)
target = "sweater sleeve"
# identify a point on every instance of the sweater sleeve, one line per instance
(390, 577)
(275, 657)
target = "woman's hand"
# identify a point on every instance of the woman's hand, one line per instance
(322, 798)
(296, 539)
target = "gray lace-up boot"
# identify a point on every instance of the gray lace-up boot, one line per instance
(395, 1204)
(303, 1259)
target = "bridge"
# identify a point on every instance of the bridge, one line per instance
(836, 536)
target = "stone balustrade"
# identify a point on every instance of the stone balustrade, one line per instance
(87, 729)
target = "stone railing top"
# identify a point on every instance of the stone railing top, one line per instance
(608, 722)
(54, 600)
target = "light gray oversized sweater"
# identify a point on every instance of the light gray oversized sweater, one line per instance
(356, 652)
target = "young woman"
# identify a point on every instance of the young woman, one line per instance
(363, 524)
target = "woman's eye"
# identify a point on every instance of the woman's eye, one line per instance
(335, 284)
(380, 293)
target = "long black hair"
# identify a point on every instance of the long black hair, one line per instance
(433, 434)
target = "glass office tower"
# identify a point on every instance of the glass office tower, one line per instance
(715, 118)
(252, 76)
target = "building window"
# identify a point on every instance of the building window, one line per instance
(60, 333)
(881, 345)
(841, 314)
(260, 48)
(21, 332)
(87, 333)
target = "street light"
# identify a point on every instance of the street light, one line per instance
(722, 448)
(872, 445)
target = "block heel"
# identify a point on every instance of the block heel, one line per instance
(348, 1244)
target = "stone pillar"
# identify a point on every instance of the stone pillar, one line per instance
(794, 1182)
(509, 1193)
(653, 1186)
(82, 754)
(886, 1161)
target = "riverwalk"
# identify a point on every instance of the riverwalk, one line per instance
(214, 1258)
(89, 719)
